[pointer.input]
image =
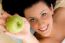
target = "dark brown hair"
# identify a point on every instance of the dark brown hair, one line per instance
(18, 6)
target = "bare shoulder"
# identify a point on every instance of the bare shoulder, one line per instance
(59, 14)
(60, 9)
(49, 41)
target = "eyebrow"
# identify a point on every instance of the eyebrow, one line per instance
(42, 11)
(31, 17)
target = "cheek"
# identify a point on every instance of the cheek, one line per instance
(34, 25)
(50, 20)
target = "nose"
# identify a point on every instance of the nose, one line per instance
(41, 24)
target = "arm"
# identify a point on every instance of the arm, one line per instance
(30, 39)
(59, 18)
(59, 15)
(25, 34)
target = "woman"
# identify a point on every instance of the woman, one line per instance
(39, 14)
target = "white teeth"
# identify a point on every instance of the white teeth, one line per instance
(43, 29)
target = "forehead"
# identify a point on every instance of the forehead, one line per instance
(36, 9)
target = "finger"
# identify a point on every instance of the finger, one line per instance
(2, 28)
(2, 21)
(26, 28)
(4, 15)
(26, 22)
(19, 36)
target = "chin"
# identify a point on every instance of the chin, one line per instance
(46, 33)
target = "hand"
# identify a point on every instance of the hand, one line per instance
(21, 35)
(24, 33)
(3, 17)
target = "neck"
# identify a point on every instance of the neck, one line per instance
(56, 36)
(50, 40)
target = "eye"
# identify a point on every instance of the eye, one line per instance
(32, 20)
(44, 14)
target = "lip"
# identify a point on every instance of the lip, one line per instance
(46, 28)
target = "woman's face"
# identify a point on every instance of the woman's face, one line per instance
(40, 18)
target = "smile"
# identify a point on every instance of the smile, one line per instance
(44, 28)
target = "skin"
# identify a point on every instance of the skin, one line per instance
(40, 17)
(25, 34)
(5, 39)
(59, 18)
(58, 32)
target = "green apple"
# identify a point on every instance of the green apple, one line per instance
(14, 24)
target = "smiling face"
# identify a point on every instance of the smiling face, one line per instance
(40, 18)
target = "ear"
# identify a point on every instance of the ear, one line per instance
(52, 9)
